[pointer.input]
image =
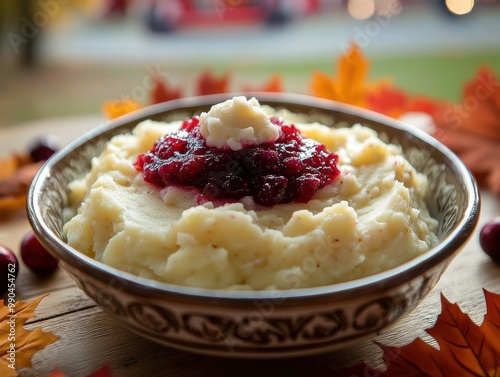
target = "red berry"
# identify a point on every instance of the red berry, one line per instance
(41, 148)
(9, 267)
(489, 238)
(36, 257)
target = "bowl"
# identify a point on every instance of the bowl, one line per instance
(261, 324)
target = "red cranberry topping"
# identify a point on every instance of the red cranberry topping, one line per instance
(292, 169)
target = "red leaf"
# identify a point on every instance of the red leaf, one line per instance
(57, 373)
(162, 92)
(464, 348)
(388, 100)
(209, 84)
(394, 102)
(105, 371)
(273, 85)
(491, 323)
(472, 128)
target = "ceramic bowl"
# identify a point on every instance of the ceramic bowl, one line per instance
(261, 324)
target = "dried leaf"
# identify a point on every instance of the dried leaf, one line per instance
(208, 84)
(11, 204)
(162, 92)
(464, 348)
(350, 85)
(14, 336)
(115, 108)
(15, 177)
(9, 166)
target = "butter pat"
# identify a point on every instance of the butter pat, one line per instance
(237, 123)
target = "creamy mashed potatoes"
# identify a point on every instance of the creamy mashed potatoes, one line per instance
(370, 219)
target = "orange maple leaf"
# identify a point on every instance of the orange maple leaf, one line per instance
(18, 344)
(162, 92)
(273, 85)
(208, 84)
(472, 129)
(350, 85)
(465, 349)
(115, 108)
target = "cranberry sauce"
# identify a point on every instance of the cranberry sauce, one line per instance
(291, 169)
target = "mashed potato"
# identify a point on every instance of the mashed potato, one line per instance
(370, 219)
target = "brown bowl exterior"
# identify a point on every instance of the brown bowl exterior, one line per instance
(261, 324)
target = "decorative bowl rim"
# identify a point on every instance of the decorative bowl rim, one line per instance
(446, 248)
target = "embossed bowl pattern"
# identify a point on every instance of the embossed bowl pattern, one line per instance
(261, 324)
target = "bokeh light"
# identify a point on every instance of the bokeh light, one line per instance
(388, 8)
(460, 7)
(361, 9)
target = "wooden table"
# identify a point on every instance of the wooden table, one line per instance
(89, 338)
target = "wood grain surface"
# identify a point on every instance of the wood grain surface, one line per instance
(89, 338)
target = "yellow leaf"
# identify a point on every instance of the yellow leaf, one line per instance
(115, 108)
(323, 86)
(18, 344)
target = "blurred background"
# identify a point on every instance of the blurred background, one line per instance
(64, 58)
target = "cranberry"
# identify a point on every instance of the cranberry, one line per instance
(489, 238)
(270, 190)
(36, 257)
(291, 169)
(41, 148)
(9, 267)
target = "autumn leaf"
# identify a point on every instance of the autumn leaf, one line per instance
(208, 84)
(472, 129)
(16, 175)
(480, 109)
(425, 104)
(394, 102)
(18, 344)
(350, 85)
(388, 100)
(115, 108)
(273, 85)
(464, 348)
(57, 373)
(162, 92)
(105, 371)
(479, 154)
